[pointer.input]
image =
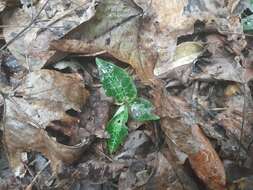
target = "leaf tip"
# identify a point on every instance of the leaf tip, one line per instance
(98, 61)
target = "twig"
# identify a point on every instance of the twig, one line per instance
(26, 28)
(243, 119)
(37, 175)
(101, 153)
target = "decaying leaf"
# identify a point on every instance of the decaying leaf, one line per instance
(206, 163)
(54, 21)
(136, 143)
(43, 97)
(8, 3)
(94, 171)
(192, 54)
(185, 54)
(47, 95)
(95, 114)
(118, 33)
(143, 33)
(165, 177)
(176, 121)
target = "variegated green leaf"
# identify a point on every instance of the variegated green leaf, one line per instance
(116, 82)
(251, 5)
(141, 110)
(248, 23)
(117, 129)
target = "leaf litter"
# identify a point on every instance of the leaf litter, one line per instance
(187, 61)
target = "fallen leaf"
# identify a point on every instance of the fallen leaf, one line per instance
(220, 67)
(56, 19)
(176, 121)
(165, 177)
(8, 3)
(95, 114)
(185, 54)
(206, 162)
(94, 171)
(46, 95)
(145, 45)
(136, 143)
(43, 97)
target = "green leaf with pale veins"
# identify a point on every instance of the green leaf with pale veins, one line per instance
(117, 129)
(248, 23)
(251, 4)
(116, 82)
(141, 110)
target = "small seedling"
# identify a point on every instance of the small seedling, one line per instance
(118, 84)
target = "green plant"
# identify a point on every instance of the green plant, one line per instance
(247, 21)
(118, 84)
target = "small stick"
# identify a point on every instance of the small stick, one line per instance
(24, 29)
(37, 175)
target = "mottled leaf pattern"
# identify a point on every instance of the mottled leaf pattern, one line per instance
(248, 23)
(117, 129)
(119, 85)
(251, 4)
(141, 110)
(116, 82)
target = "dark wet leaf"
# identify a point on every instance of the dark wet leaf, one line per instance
(44, 96)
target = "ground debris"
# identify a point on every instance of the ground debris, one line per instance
(191, 59)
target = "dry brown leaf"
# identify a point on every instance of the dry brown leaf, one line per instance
(56, 19)
(143, 33)
(8, 3)
(42, 98)
(168, 176)
(95, 114)
(185, 54)
(94, 171)
(176, 121)
(222, 65)
(182, 131)
(206, 163)
(47, 95)
(115, 28)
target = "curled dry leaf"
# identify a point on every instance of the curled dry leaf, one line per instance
(185, 54)
(47, 95)
(142, 33)
(8, 3)
(44, 97)
(168, 176)
(179, 124)
(176, 121)
(20, 136)
(206, 162)
(114, 28)
(56, 19)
